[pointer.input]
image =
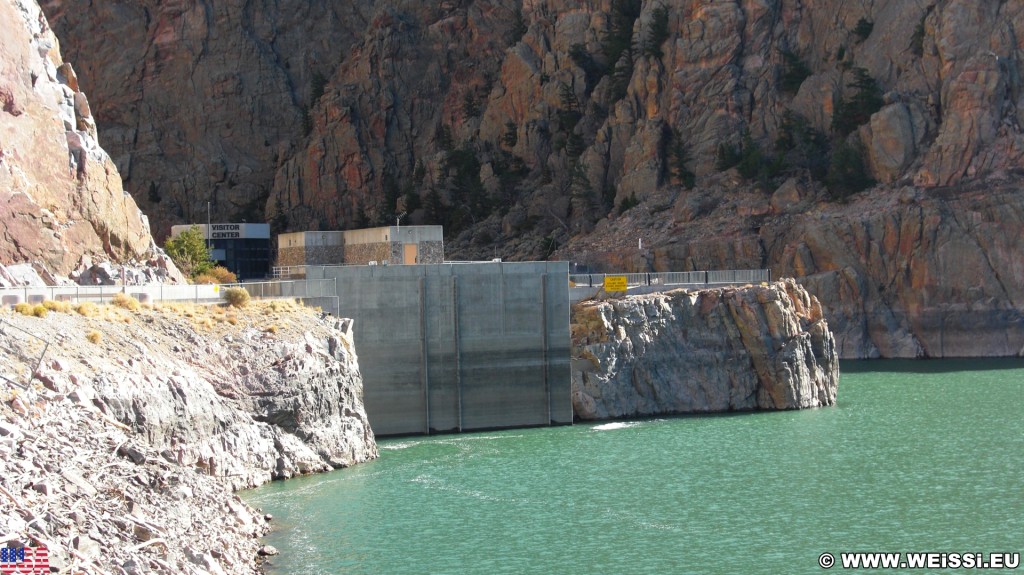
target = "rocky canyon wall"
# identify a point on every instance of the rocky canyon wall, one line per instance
(60, 194)
(544, 129)
(715, 350)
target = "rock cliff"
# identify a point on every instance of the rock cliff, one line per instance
(60, 195)
(191, 400)
(530, 128)
(729, 349)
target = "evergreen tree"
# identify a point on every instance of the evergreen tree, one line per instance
(189, 252)
(279, 223)
(434, 208)
(857, 111)
(657, 33)
(847, 173)
(679, 157)
(794, 72)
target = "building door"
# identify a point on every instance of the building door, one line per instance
(409, 253)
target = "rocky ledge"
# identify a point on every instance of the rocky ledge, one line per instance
(713, 350)
(121, 454)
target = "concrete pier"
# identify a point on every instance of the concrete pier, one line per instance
(459, 347)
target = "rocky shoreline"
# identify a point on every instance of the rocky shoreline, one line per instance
(121, 455)
(711, 350)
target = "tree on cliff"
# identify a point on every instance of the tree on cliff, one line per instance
(189, 252)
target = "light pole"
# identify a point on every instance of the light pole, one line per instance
(209, 233)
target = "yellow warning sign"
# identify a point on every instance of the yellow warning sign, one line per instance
(614, 283)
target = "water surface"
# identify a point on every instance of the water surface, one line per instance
(917, 456)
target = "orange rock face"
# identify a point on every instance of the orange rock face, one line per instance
(60, 195)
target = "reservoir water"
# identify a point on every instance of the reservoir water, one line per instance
(916, 456)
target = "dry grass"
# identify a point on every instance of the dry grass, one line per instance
(87, 309)
(57, 306)
(27, 309)
(271, 329)
(94, 336)
(217, 275)
(126, 301)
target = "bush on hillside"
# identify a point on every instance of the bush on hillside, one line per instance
(236, 297)
(126, 301)
(216, 275)
(57, 306)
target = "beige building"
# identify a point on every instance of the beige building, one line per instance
(392, 245)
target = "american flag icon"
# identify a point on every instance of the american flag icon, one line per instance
(24, 561)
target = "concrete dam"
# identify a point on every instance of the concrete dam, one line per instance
(458, 347)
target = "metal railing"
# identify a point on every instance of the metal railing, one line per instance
(289, 288)
(313, 292)
(698, 278)
(288, 272)
(103, 294)
(199, 293)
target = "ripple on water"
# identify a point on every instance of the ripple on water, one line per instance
(912, 459)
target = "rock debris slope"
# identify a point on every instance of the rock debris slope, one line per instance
(139, 425)
(728, 349)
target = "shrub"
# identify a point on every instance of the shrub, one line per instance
(917, 39)
(236, 297)
(87, 309)
(511, 136)
(519, 27)
(628, 203)
(794, 72)
(57, 306)
(658, 32)
(271, 329)
(39, 310)
(23, 308)
(801, 146)
(94, 336)
(223, 275)
(216, 275)
(847, 173)
(727, 156)
(126, 301)
(863, 29)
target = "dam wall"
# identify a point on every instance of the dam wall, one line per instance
(459, 347)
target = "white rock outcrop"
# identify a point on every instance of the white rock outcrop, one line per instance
(714, 350)
(139, 423)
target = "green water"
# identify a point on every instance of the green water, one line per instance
(917, 456)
